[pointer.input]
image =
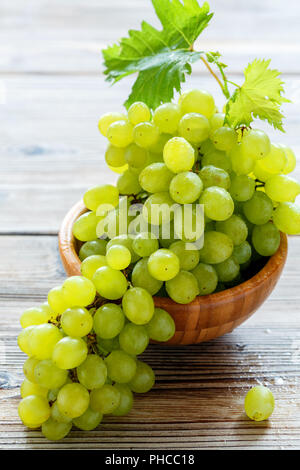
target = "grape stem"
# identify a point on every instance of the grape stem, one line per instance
(214, 75)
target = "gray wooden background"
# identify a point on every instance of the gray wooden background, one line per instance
(51, 96)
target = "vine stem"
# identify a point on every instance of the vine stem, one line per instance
(212, 72)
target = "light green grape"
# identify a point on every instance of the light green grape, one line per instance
(258, 209)
(94, 247)
(155, 178)
(228, 270)
(194, 128)
(145, 244)
(126, 400)
(92, 373)
(43, 339)
(69, 352)
(134, 339)
(161, 327)
(218, 204)
(141, 277)
(76, 322)
(56, 414)
(286, 217)
(188, 257)
(28, 368)
(84, 228)
(109, 321)
(48, 375)
(275, 161)
(73, 400)
(255, 144)
(179, 155)
(56, 300)
(118, 257)
(259, 403)
(207, 278)
(115, 157)
(106, 399)
(106, 346)
(90, 265)
(144, 378)
(216, 121)
(212, 176)
(197, 101)
(145, 135)
(109, 283)
(138, 305)
(261, 173)
(183, 288)
(186, 187)
(29, 388)
(291, 160)
(217, 248)
(33, 316)
(136, 156)
(241, 164)
(138, 112)
(282, 188)
(157, 209)
(89, 420)
(121, 367)
(120, 134)
(163, 265)
(166, 117)
(34, 409)
(218, 159)
(242, 188)
(107, 119)
(235, 228)
(224, 138)
(128, 183)
(24, 340)
(266, 239)
(55, 431)
(242, 253)
(78, 291)
(102, 194)
(156, 150)
(127, 241)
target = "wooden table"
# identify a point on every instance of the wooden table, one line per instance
(51, 152)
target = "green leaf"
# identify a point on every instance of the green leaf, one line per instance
(162, 58)
(259, 97)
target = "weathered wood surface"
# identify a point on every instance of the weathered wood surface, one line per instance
(51, 151)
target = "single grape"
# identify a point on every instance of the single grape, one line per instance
(78, 291)
(197, 101)
(216, 121)
(162, 326)
(29, 366)
(242, 253)
(77, 322)
(125, 240)
(218, 159)
(90, 265)
(194, 128)
(69, 352)
(141, 277)
(56, 414)
(217, 248)
(145, 244)
(207, 278)
(89, 420)
(136, 156)
(106, 346)
(138, 112)
(255, 144)
(145, 134)
(73, 400)
(218, 204)
(235, 228)
(138, 305)
(155, 178)
(55, 431)
(84, 228)
(258, 209)
(282, 188)
(106, 399)
(118, 257)
(128, 183)
(92, 373)
(109, 283)
(48, 375)
(33, 316)
(156, 150)
(275, 161)
(163, 265)
(188, 257)
(259, 403)
(261, 173)
(102, 194)
(109, 321)
(228, 270)
(266, 239)
(56, 300)
(34, 409)
(186, 187)
(166, 117)
(120, 134)
(179, 155)
(115, 157)
(286, 217)
(43, 339)
(224, 138)
(107, 119)
(94, 247)
(24, 340)
(213, 176)
(158, 209)
(183, 288)
(242, 188)
(144, 378)
(291, 160)
(241, 164)
(134, 339)
(29, 388)
(126, 400)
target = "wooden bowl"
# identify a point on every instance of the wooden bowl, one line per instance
(207, 317)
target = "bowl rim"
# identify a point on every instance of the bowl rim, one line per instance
(69, 257)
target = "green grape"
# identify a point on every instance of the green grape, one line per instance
(216, 121)
(291, 160)
(242, 188)
(115, 157)
(84, 228)
(55, 431)
(261, 173)
(282, 188)
(94, 247)
(48, 375)
(78, 291)
(212, 176)
(157, 209)
(179, 155)
(24, 340)
(156, 150)
(90, 265)
(118, 257)
(33, 316)
(29, 388)
(167, 234)
(275, 161)
(107, 119)
(43, 339)
(197, 101)
(102, 194)
(141, 277)
(134, 339)
(166, 117)
(228, 270)
(56, 414)
(266, 239)
(28, 368)
(128, 183)
(106, 399)
(163, 265)
(224, 138)
(242, 253)
(126, 400)
(89, 420)
(188, 257)
(48, 310)
(120, 134)
(194, 128)
(155, 178)
(73, 400)
(259, 403)
(138, 112)
(69, 352)
(286, 217)
(183, 288)
(162, 326)
(106, 346)
(76, 322)
(235, 228)
(218, 159)
(125, 240)
(145, 134)
(138, 305)
(258, 209)
(218, 204)
(241, 164)
(109, 283)
(186, 187)
(255, 144)
(109, 321)
(118, 169)
(207, 278)
(92, 373)
(135, 156)
(144, 378)
(217, 248)
(34, 409)
(145, 244)
(57, 300)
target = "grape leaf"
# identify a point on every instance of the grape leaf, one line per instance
(162, 58)
(259, 97)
